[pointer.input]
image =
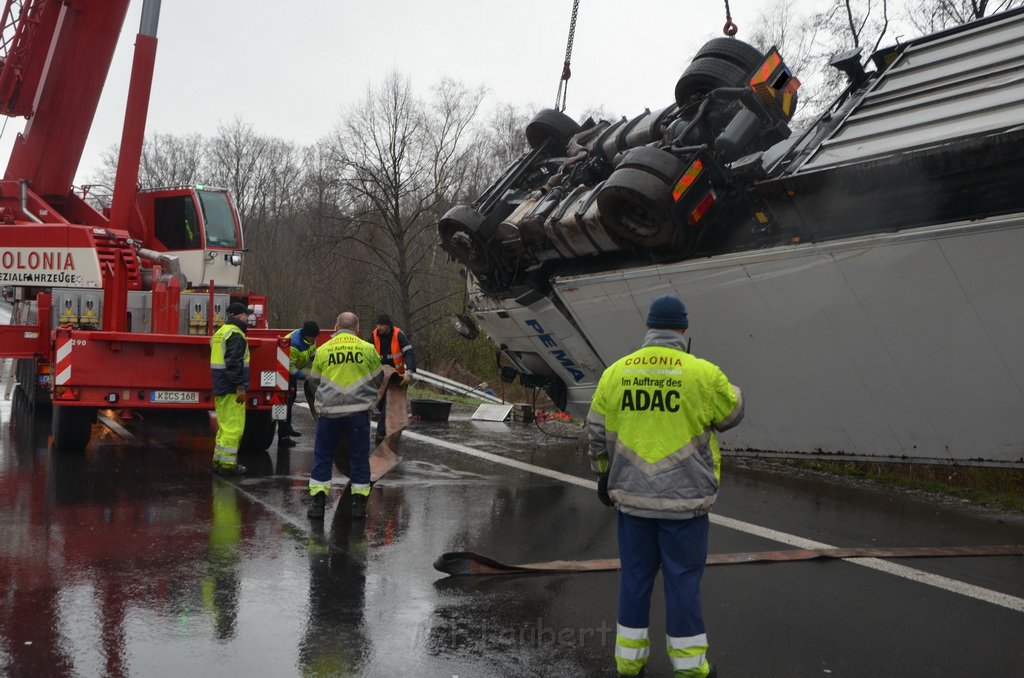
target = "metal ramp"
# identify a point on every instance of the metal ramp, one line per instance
(492, 412)
(455, 387)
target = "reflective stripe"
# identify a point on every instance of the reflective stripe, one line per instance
(695, 506)
(316, 488)
(632, 653)
(225, 455)
(632, 648)
(688, 653)
(359, 488)
(736, 415)
(631, 645)
(630, 633)
(686, 663)
(695, 446)
(683, 642)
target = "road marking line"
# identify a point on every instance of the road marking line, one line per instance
(945, 583)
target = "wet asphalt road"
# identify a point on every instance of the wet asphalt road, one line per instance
(134, 561)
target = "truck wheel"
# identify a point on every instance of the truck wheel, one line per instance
(654, 161)
(636, 208)
(72, 427)
(732, 50)
(25, 371)
(551, 125)
(704, 75)
(462, 236)
(259, 431)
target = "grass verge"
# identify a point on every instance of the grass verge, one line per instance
(995, 487)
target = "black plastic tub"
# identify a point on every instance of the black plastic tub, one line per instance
(430, 410)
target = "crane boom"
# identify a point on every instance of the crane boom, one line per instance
(77, 59)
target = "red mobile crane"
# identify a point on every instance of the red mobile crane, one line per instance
(111, 308)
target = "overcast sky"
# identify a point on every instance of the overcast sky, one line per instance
(291, 67)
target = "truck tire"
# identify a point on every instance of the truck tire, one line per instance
(259, 432)
(551, 125)
(654, 161)
(462, 235)
(732, 50)
(72, 427)
(636, 208)
(704, 75)
(28, 380)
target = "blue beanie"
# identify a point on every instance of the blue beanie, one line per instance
(667, 312)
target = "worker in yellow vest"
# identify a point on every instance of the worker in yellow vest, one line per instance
(301, 349)
(346, 371)
(229, 363)
(395, 349)
(652, 425)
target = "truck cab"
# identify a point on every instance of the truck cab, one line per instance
(200, 226)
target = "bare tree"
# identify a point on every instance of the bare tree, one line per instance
(241, 160)
(167, 160)
(402, 161)
(929, 16)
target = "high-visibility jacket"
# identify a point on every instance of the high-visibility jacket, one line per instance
(300, 351)
(347, 371)
(399, 353)
(652, 425)
(229, 358)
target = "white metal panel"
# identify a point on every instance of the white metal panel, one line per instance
(965, 84)
(903, 344)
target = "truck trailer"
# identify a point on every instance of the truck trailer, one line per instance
(859, 280)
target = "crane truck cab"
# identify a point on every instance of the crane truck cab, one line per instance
(198, 225)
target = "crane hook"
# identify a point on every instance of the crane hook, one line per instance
(730, 28)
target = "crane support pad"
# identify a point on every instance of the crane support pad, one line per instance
(462, 563)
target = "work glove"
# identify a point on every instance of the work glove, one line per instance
(240, 395)
(602, 491)
(406, 378)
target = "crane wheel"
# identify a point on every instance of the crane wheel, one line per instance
(72, 427)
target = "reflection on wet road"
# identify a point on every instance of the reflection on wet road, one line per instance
(133, 560)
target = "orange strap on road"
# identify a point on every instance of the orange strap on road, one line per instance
(459, 563)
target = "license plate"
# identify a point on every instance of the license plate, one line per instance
(174, 396)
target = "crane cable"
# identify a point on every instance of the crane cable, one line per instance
(563, 83)
(729, 28)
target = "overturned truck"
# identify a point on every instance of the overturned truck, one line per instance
(860, 280)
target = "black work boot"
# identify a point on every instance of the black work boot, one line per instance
(359, 505)
(285, 442)
(233, 471)
(317, 506)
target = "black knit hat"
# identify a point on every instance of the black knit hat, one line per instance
(310, 329)
(667, 312)
(237, 307)
(385, 319)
